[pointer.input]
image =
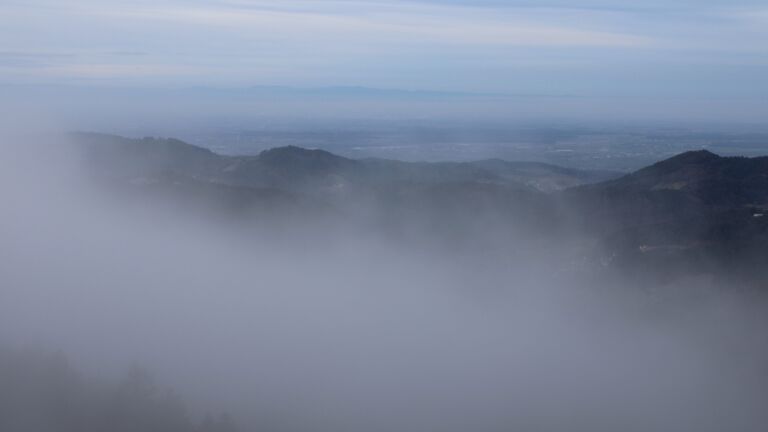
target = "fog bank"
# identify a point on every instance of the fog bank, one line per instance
(330, 325)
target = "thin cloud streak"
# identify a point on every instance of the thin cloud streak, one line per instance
(384, 27)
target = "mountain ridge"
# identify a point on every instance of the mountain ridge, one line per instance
(710, 178)
(693, 211)
(298, 168)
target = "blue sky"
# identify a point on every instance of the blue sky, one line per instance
(712, 49)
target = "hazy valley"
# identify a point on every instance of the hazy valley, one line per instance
(383, 216)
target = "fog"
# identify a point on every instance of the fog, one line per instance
(331, 324)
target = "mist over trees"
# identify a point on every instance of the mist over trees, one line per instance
(298, 290)
(383, 216)
(42, 392)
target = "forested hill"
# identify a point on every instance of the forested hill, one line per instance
(299, 169)
(694, 213)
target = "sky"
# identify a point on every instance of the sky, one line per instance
(713, 50)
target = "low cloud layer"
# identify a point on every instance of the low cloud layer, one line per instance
(348, 330)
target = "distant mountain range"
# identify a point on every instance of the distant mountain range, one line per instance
(302, 170)
(289, 92)
(691, 214)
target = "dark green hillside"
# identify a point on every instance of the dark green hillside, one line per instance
(694, 213)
